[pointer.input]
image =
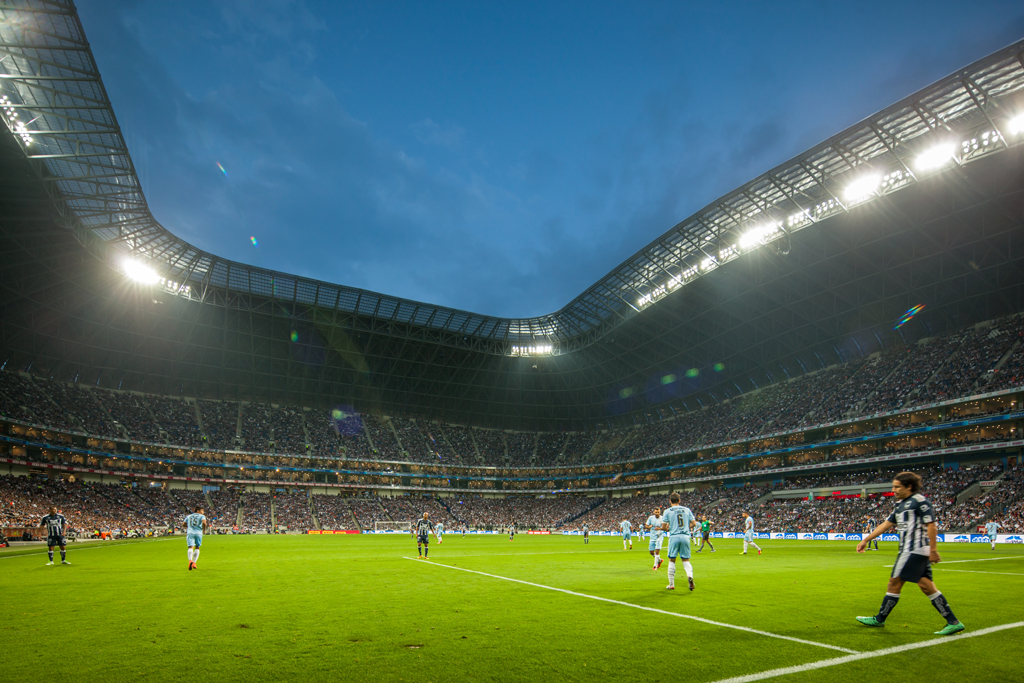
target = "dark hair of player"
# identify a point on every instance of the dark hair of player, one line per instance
(909, 480)
(198, 509)
(674, 498)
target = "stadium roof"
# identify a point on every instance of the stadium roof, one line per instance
(907, 178)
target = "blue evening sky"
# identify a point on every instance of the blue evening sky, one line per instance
(495, 157)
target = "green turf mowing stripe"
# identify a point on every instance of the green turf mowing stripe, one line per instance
(865, 655)
(648, 609)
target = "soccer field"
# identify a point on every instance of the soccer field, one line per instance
(541, 608)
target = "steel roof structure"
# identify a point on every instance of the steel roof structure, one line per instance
(778, 277)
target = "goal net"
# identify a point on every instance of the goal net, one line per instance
(392, 526)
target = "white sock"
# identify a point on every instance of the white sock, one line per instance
(671, 573)
(190, 554)
(688, 568)
(755, 545)
(744, 546)
(195, 555)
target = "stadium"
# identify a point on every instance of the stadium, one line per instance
(853, 313)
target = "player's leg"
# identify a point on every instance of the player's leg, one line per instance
(711, 545)
(195, 552)
(419, 547)
(426, 548)
(892, 594)
(49, 552)
(938, 600)
(190, 552)
(63, 554)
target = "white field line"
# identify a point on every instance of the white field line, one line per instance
(824, 663)
(647, 609)
(969, 571)
(76, 549)
(983, 559)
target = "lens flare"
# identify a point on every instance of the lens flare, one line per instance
(222, 170)
(254, 242)
(905, 318)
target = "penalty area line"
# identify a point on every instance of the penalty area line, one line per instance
(647, 609)
(824, 663)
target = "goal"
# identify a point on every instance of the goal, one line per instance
(392, 526)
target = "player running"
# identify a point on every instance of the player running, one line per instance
(869, 526)
(195, 526)
(56, 524)
(678, 522)
(423, 529)
(653, 528)
(438, 530)
(992, 528)
(586, 535)
(915, 520)
(748, 534)
(705, 535)
(627, 533)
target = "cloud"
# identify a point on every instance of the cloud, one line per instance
(430, 133)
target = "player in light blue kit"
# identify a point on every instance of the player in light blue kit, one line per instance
(438, 530)
(748, 534)
(678, 521)
(195, 526)
(653, 528)
(992, 528)
(627, 533)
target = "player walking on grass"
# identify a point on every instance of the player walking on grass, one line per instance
(627, 533)
(653, 528)
(705, 535)
(915, 520)
(992, 528)
(438, 530)
(748, 534)
(423, 529)
(678, 521)
(195, 526)
(56, 524)
(870, 524)
(586, 535)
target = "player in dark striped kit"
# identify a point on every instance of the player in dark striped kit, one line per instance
(56, 524)
(915, 521)
(423, 529)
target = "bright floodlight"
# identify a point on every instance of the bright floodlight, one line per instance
(862, 188)
(1016, 124)
(140, 272)
(936, 157)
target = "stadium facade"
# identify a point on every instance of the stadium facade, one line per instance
(679, 366)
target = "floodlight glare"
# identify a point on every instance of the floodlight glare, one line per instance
(936, 157)
(862, 188)
(1016, 124)
(140, 272)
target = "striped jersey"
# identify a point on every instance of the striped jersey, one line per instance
(423, 527)
(912, 517)
(55, 524)
(871, 524)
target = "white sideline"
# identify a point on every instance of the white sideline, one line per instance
(773, 673)
(975, 571)
(78, 549)
(648, 609)
(983, 559)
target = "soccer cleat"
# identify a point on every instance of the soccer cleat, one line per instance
(64, 562)
(758, 551)
(870, 621)
(690, 579)
(50, 563)
(660, 561)
(742, 553)
(191, 566)
(670, 588)
(951, 629)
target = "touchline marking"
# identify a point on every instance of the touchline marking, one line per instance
(975, 571)
(115, 544)
(983, 559)
(648, 609)
(866, 655)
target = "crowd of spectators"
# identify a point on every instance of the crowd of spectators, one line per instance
(256, 427)
(220, 422)
(385, 446)
(132, 413)
(256, 511)
(291, 510)
(520, 447)
(333, 512)
(177, 417)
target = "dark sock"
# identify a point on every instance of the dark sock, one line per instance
(940, 604)
(63, 556)
(888, 603)
(51, 555)
(426, 551)
(712, 547)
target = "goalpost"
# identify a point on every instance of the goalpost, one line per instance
(392, 526)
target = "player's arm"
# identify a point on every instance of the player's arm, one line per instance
(879, 530)
(933, 534)
(206, 526)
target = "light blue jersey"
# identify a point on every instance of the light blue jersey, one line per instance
(655, 537)
(679, 520)
(992, 528)
(438, 529)
(748, 529)
(627, 528)
(194, 529)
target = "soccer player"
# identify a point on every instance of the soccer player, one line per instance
(705, 535)
(915, 521)
(748, 534)
(678, 521)
(423, 529)
(438, 530)
(627, 533)
(463, 530)
(653, 528)
(195, 525)
(512, 531)
(586, 535)
(55, 524)
(991, 528)
(870, 525)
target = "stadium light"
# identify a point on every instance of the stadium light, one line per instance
(935, 157)
(759, 235)
(1016, 125)
(140, 272)
(862, 188)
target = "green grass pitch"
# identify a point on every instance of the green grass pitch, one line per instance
(339, 608)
